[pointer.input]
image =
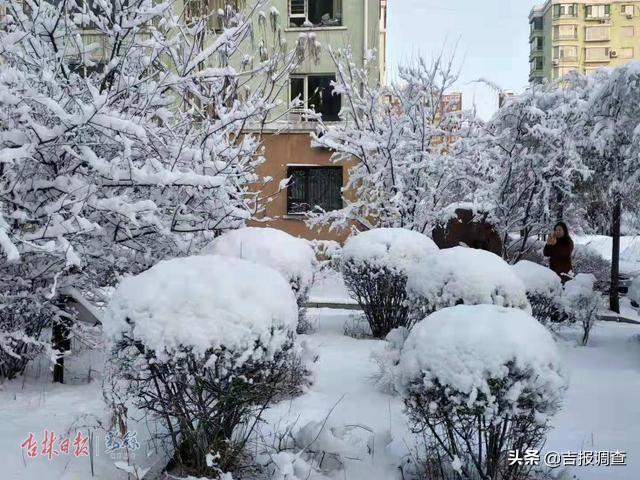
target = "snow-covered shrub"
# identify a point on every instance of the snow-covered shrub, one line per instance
(582, 301)
(22, 323)
(461, 275)
(543, 287)
(291, 256)
(479, 381)
(204, 343)
(588, 261)
(374, 265)
(634, 292)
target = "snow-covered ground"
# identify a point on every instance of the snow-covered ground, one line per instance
(629, 250)
(600, 411)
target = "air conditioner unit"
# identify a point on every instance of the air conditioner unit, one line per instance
(613, 53)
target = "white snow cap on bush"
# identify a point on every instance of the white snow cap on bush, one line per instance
(204, 302)
(396, 248)
(462, 347)
(292, 257)
(459, 274)
(538, 279)
(578, 288)
(634, 290)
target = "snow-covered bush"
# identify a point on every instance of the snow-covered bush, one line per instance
(543, 287)
(101, 167)
(461, 275)
(204, 343)
(634, 292)
(588, 261)
(480, 381)
(293, 257)
(582, 301)
(374, 265)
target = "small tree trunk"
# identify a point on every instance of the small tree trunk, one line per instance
(614, 297)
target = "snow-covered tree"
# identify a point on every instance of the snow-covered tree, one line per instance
(611, 148)
(126, 143)
(399, 137)
(524, 164)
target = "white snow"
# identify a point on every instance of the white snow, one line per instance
(395, 248)
(205, 302)
(580, 287)
(291, 256)
(465, 346)
(448, 276)
(601, 405)
(538, 279)
(601, 244)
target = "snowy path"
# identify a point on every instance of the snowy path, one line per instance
(343, 375)
(602, 405)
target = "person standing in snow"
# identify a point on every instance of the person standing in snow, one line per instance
(559, 248)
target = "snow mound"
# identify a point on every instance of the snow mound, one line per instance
(634, 290)
(538, 279)
(580, 287)
(394, 248)
(204, 302)
(292, 257)
(463, 348)
(465, 275)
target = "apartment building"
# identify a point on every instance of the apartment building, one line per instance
(583, 35)
(314, 179)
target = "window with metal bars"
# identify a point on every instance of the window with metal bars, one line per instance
(313, 188)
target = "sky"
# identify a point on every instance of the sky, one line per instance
(490, 39)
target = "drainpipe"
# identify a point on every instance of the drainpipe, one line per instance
(365, 36)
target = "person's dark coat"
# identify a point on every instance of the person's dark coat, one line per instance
(560, 257)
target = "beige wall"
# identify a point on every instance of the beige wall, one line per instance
(282, 150)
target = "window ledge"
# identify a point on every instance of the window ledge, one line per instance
(314, 29)
(295, 216)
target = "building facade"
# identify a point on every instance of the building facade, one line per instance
(314, 180)
(582, 35)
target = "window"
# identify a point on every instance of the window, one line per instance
(311, 188)
(565, 52)
(627, 10)
(87, 70)
(597, 34)
(628, 32)
(315, 13)
(565, 10)
(565, 32)
(537, 24)
(561, 72)
(537, 64)
(626, 53)
(315, 91)
(598, 11)
(596, 54)
(537, 44)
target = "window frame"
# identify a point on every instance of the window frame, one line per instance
(304, 16)
(306, 93)
(291, 169)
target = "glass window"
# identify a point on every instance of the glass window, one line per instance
(317, 13)
(315, 91)
(597, 34)
(626, 53)
(627, 10)
(313, 188)
(598, 11)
